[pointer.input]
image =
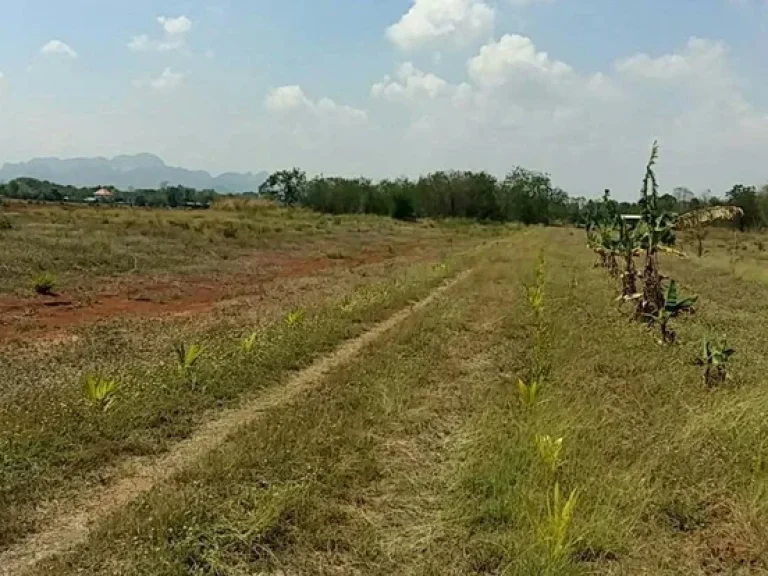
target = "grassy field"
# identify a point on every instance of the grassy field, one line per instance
(416, 455)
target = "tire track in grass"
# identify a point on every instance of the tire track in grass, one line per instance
(71, 529)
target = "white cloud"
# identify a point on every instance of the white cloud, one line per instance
(58, 48)
(174, 37)
(175, 26)
(167, 81)
(432, 22)
(287, 99)
(700, 57)
(513, 58)
(411, 83)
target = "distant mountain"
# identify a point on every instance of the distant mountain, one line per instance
(128, 171)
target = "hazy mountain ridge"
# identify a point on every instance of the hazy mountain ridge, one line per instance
(128, 171)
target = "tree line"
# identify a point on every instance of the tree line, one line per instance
(523, 195)
(34, 190)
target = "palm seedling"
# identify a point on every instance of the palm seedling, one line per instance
(294, 317)
(549, 450)
(559, 517)
(99, 392)
(715, 356)
(528, 392)
(187, 358)
(248, 343)
(673, 305)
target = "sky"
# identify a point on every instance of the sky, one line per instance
(382, 88)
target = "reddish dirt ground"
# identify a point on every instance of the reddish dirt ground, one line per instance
(52, 316)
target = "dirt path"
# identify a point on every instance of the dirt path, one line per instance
(71, 529)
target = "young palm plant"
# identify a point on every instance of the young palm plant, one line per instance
(187, 358)
(673, 305)
(528, 392)
(248, 343)
(99, 392)
(549, 450)
(715, 356)
(554, 532)
(294, 317)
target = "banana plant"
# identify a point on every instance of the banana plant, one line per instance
(628, 246)
(673, 305)
(715, 356)
(603, 243)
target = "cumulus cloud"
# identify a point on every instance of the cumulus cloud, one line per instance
(698, 58)
(410, 83)
(58, 48)
(175, 31)
(167, 81)
(287, 99)
(435, 22)
(589, 129)
(511, 58)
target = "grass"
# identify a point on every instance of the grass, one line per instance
(92, 249)
(419, 457)
(52, 440)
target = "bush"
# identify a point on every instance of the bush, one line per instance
(5, 223)
(44, 284)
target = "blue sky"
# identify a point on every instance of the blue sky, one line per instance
(577, 88)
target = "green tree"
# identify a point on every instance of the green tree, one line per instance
(286, 186)
(745, 197)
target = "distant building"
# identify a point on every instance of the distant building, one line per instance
(103, 194)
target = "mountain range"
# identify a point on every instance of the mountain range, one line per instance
(129, 171)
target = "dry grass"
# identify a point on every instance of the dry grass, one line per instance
(52, 443)
(418, 458)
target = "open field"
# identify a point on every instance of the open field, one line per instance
(408, 450)
(334, 281)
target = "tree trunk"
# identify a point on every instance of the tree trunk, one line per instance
(629, 280)
(653, 296)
